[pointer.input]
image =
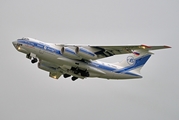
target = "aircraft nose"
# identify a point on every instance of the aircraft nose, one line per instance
(14, 43)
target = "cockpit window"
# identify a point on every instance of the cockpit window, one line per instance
(24, 38)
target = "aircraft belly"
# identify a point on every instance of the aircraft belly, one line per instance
(112, 75)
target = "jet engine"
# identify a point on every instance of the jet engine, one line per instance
(70, 53)
(85, 53)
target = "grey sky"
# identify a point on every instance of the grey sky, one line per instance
(28, 93)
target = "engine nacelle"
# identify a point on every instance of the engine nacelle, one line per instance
(46, 67)
(85, 53)
(69, 53)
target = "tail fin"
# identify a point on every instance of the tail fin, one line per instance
(135, 61)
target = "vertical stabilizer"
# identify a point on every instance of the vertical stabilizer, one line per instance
(135, 61)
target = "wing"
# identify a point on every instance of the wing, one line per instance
(98, 52)
(107, 51)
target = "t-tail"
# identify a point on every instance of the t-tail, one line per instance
(134, 62)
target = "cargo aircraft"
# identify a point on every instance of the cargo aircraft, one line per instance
(81, 61)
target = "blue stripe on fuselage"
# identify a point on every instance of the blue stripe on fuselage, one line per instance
(139, 62)
(40, 45)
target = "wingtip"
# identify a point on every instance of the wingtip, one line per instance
(166, 46)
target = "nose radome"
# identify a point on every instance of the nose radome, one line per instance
(14, 42)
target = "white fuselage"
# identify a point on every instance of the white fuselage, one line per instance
(51, 54)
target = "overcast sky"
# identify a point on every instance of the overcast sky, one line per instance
(27, 93)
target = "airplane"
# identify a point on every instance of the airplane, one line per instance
(82, 61)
